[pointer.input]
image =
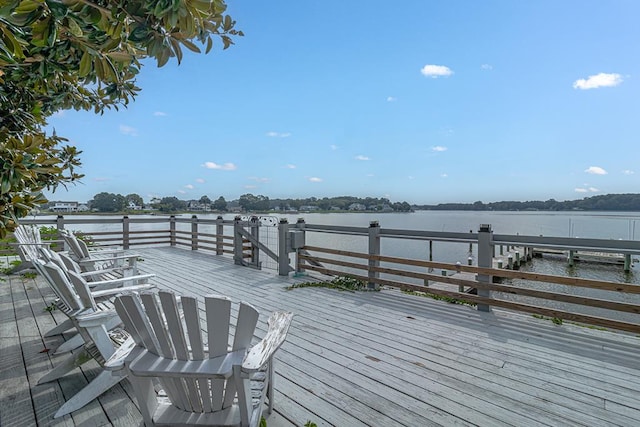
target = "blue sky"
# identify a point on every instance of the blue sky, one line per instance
(423, 101)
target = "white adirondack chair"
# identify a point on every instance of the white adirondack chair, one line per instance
(91, 260)
(211, 385)
(105, 278)
(28, 241)
(101, 332)
(66, 304)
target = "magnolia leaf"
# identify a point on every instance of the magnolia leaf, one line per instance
(74, 28)
(120, 56)
(176, 49)
(85, 64)
(189, 45)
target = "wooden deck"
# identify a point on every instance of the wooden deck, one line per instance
(352, 359)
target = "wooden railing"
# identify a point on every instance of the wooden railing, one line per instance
(223, 237)
(490, 287)
(519, 290)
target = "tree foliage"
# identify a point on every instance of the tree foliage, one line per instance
(108, 202)
(249, 202)
(134, 198)
(85, 55)
(220, 204)
(171, 204)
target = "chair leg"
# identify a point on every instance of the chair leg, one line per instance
(270, 385)
(71, 344)
(70, 363)
(62, 327)
(103, 382)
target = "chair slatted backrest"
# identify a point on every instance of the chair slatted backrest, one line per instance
(75, 245)
(60, 284)
(28, 237)
(155, 324)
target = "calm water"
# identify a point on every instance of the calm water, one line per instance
(558, 224)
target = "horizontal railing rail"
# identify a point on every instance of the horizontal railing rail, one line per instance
(393, 276)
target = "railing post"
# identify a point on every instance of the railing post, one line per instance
(125, 232)
(194, 232)
(60, 226)
(485, 237)
(283, 247)
(627, 263)
(254, 225)
(300, 227)
(172, 230)
(238, 258)
(219, 238)
(374, 250)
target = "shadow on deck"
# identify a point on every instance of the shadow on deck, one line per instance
(352, 359)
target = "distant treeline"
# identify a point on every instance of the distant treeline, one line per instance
(607, 202)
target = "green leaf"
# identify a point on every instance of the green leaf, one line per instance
(74, 27)
(85, 64)
(189, 45)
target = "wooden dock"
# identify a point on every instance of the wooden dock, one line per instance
(352, 359)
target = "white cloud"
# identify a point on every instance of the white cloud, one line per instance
(189, 186)
(333, 147)
(444, 175)
(315, 179)
(182, 192)
(410, 178)
(290, 166)
(435, 71)
(595, 170)
(628, 172)
(200, 180)
(128, 130)
(361, 157)
(224, 167)
(587, 190)
(486, 67)
(439, 148)
(60, 113)
(598, 80)
(159, 114)
(255, 178)
(250, 187)
(278, 134)
(370, 175)
(391, 99)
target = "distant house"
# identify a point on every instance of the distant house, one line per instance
(308, 208)
(64, 206)
(82, 207)
(357, 207)
(132, 206)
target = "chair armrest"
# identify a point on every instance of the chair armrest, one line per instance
(117, 359)
(43, 243)
(260, 353)
(148, 364)
(105, 270)
(124, 289)
(106, 248)
(102, 283)
(95, 318)
(113, 258)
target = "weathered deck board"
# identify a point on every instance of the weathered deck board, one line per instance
(351, 359)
